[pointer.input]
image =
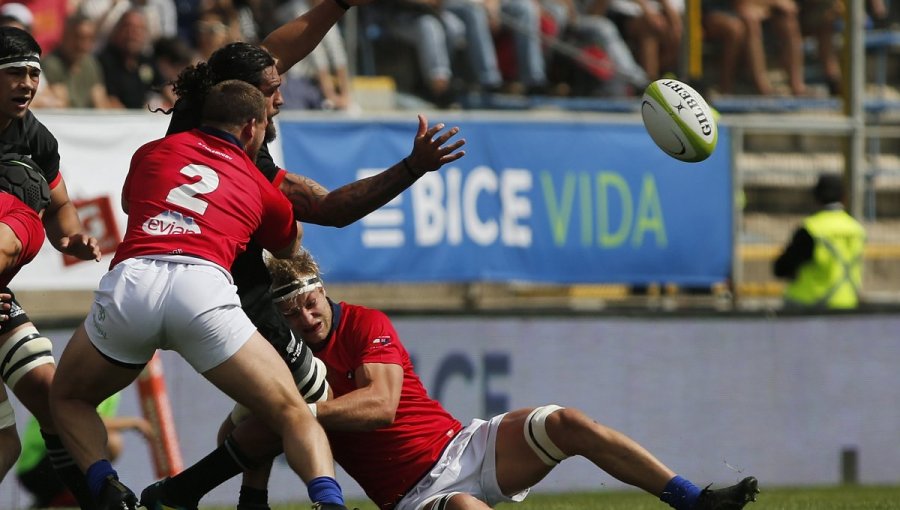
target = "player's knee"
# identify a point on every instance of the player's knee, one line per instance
(24, 350)
(538, 437)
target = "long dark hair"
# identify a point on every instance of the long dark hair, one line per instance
(235, 61)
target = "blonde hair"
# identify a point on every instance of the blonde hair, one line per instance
(285, 271)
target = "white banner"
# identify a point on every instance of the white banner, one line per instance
(95, 149)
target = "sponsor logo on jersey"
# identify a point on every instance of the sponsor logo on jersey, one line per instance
(382, 341)
(170, 223)
(214, 151)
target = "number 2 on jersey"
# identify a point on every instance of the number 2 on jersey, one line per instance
(185, 195)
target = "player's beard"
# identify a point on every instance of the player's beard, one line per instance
(271, 133)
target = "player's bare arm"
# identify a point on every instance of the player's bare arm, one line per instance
(64, 229)
(371, 406)
(294, 40)
(314, 204)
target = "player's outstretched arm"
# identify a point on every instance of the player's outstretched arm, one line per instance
(64, 229)
(296, 39)
(314, 204)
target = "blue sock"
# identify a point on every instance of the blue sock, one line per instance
(325, 489)
(680, 493)
(96, 475)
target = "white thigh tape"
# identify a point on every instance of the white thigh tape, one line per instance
(440, 501)
(313, 386)
(7, 415)
(537, 438)
(22, 352)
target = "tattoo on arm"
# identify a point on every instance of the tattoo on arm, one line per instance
(341, 207)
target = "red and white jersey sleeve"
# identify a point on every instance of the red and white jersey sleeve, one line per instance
(199, 195)
(388, 461)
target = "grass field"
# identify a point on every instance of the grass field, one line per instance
(830, 498)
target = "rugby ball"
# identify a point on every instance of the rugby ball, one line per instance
(679, 120)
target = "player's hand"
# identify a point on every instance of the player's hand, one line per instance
(5, 306)
(429, 151)
(81, 246)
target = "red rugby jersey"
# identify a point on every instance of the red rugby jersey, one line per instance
(198, 194)
(389, 461)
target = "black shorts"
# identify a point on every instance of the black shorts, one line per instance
(17, 315)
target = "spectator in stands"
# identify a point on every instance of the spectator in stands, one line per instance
(585, 24)
(128, 68)
(322, 80)
(74, 75)
(823, 260)
(43, 20)
(35, 471)
(213, 30)
(822, 19)
(654, 30)
(518, 23)
(783, 15)
(160, 16)
(819, 19)
(477, 41)
(722, 26)
(437, 34)
(16, 15)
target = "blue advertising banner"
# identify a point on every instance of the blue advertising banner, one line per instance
(539, 201)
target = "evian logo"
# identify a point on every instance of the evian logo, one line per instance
(169, 223)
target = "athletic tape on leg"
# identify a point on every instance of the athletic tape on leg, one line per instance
(313, 386)
(7, 415)
(537, 438)
(440, 501)
(22, 352)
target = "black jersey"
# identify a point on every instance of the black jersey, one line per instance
(29, 137)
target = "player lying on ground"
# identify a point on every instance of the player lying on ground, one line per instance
(193, 200)
(407, 452)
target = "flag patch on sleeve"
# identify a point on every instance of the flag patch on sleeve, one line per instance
(381, 340)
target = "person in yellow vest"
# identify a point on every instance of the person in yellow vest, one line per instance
(823, 260)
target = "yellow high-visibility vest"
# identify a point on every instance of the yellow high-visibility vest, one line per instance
(833, 277)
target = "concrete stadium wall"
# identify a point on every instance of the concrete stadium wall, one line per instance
(715, 398)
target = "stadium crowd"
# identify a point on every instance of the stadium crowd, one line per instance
(125, 53)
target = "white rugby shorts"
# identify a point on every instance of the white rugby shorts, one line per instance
(142, 305)
(468, 465)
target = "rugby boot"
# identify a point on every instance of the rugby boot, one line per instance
(729, 498)
(115, 496)
(152, 498)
